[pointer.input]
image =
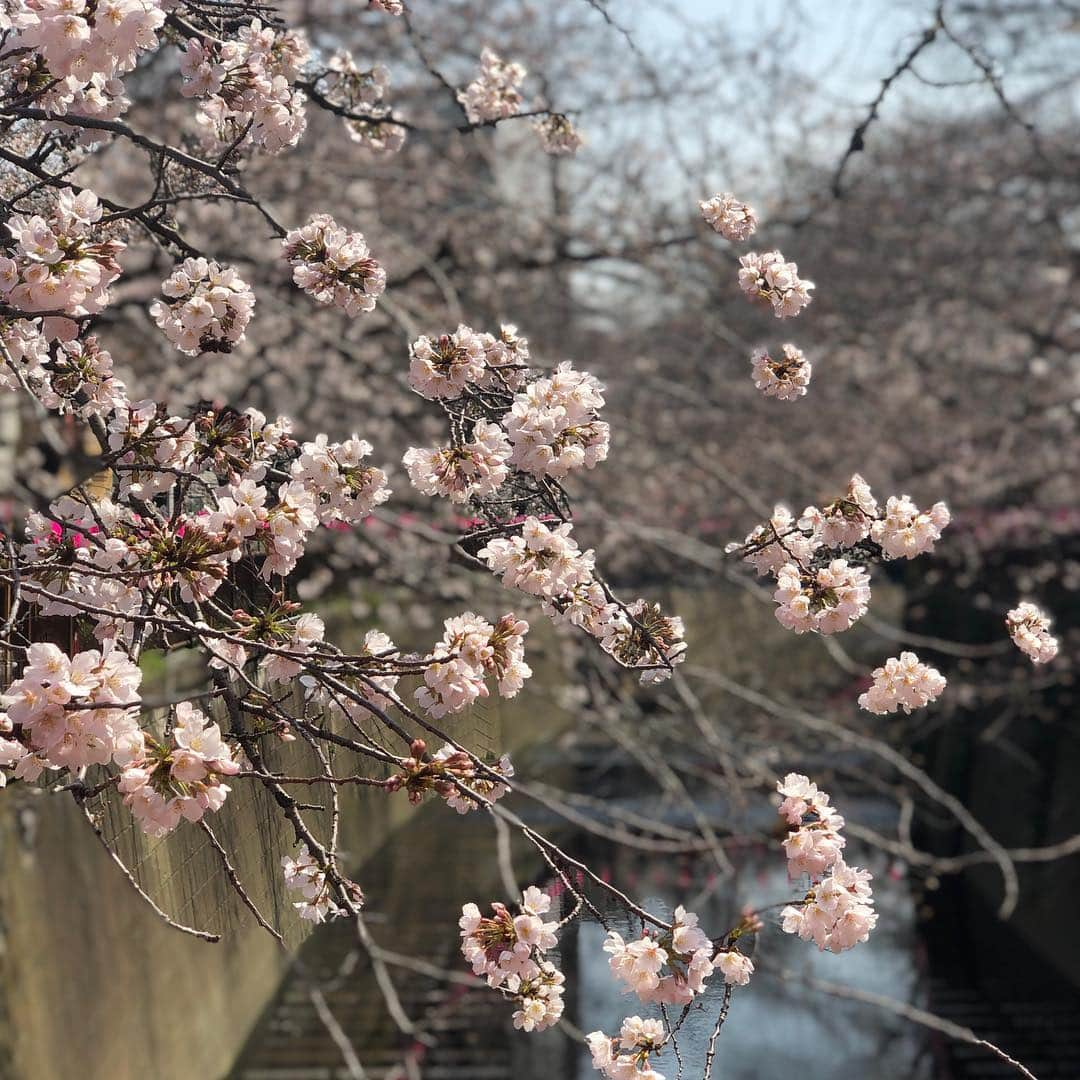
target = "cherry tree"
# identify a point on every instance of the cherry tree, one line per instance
(191, 526)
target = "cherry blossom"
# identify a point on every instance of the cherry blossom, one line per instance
(206, 307)
(844, 521)
(663, 967)
(627, 1055)
(642, 636)
(902, 683)
(785, 379)
(360, 91)
(334, 266)
(471, 470)
(303, 875)
(509, 951)
(553, 427)
(1030, 630)
(60, 263)
(906, 532)
(734, 220)
(441, 368)
(824, 601)
(776, 543)
(736, 967)
(246, 84)
(540, 560)
(506, 358)
(80, 710)
(493, 94)
(837, 912)
(178, 780)
(298, 638)
(342, 484)
(770, 280)
(558, 135)
(84, 47)
(470, 650)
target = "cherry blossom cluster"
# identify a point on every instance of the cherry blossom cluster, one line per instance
(903, 683)
(452, 774)
(844, 521)
(58, 264)
(206, 308)
(55, 556)
(539, 560)
(664, 967)
(1030, 630)
(442, 367)
(471, 470)
(334, 266)
(77, 49)
(109, 554)
(906, 531)
(817, 590)
(558, 135)
(816, 842)
(731, 218)
(72, 712)
(837, 912)
(493, 94)
(353, 88)
(247, 84)
(553, 425)
(628, 1055)
(768, 279)
(470, 650)
(151, 448)
(69, 376)
(825, 600)
(547, 563)
(13, 755)
(786, 378)
(344, 486)
(109, 565)
(81, 380)
(775, 543)
(506, 359)
(180, 778)
(640, 635)
(735, 966)
(510, 952)
(551, 422)
(303, 875)
(244, 523)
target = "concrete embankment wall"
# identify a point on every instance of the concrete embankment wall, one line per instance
(94, 985)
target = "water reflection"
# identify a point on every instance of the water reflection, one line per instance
(777, 1027)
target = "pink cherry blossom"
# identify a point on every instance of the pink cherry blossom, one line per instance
(902, 683)
(1030, 630)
